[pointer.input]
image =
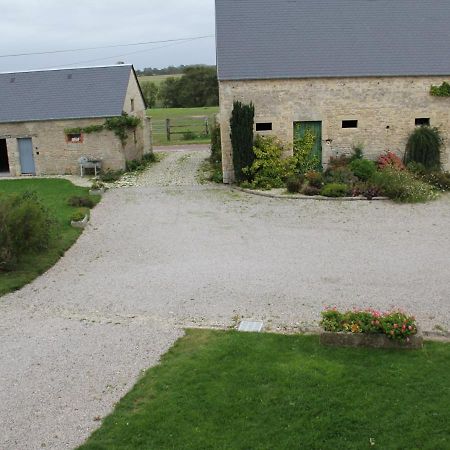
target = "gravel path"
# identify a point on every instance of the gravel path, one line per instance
(169, 253)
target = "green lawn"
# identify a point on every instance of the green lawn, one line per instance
(157, 79)
(54, 194)
(226, 390)
(190, 119)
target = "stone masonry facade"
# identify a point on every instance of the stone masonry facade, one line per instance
(386, 109)
(54, 154)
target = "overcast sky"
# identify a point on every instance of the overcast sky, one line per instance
(44, 25)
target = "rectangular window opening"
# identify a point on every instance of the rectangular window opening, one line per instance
(349, 124)
(423, 122)
(264, 126)
(75, 138)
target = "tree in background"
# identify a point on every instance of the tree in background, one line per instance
(150, 92)
(197, 87)
(169, 93)
(241, 122)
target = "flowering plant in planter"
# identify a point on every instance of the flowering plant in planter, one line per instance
(397, 325)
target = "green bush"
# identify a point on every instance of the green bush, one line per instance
(341, 175)
(402, 186)
(241, 123)
(269, 169)
(78, 202)
(111, 176)
(335, 190)
(363, 168)
(216, 144)
(315, 179)
(440, 180)
(303, 158)
(150, 158)
(25, 226)
(424, 147)
(78, 215)
(310, 191)
(294, 184)
(441, 91)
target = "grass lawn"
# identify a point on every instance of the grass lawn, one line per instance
(54, 194)
(191, 119)
(226, 390)
(157, 79)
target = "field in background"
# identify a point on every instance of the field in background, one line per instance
(157, 79)
(189, 122)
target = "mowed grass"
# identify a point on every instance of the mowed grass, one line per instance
(226, 390)
(157, 79)
(54, 194)
(186, 119)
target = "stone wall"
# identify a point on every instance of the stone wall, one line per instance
(54, 155)
(386, 109)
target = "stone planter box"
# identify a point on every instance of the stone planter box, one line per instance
(81, 224)
(369, 341)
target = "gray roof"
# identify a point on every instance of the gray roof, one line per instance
(263, 39)
(63, 93)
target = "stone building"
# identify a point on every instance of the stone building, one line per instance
(45, 115)
(356, 72)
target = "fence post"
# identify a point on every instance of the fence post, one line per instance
(207, 126)
(168, 129)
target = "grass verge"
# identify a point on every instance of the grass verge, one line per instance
(226, 390)
(186, 119)
(54, 194)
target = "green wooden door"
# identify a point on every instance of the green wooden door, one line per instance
(316, 127)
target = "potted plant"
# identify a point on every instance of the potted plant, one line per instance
(79, 218)
(97, 188)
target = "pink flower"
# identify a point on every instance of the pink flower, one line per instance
(395, 325)
(392, 333)
(410, 328)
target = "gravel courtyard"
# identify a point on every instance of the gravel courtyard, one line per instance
(169, 253)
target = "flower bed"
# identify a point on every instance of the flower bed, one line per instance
(370, 328)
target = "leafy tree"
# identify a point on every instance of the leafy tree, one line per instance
(169, 93)
(150, 91)
(424, 147)
(196, 88)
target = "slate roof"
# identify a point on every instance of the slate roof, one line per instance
(63, 93)
(264, 39)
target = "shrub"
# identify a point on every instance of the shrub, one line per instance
(189, 136)
(416, 168)
(111, 176)
(367, 190)
(402, 186)
(78, 202)
(358, 153)
(390, 160)
(150, 158)
(341, 175)
(424, 147)
(216, 144)
(241, 123)
(315, 179)
(441, 91)
(304, 160)
(25, 226)
(294, 184)
(335, 190)
(310, 191)
(440, 180)
(337, 162)
(268, 170)
(78, 215)
(396, 325)
(363, 168)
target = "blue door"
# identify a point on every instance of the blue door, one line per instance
(26, 156)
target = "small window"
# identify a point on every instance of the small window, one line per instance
(75, 138)
(349, 124)
(423, 122)
(132, 104)
(266, 126)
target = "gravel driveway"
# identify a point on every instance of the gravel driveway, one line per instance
(170, 253)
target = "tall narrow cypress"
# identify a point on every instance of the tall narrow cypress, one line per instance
(241, 122)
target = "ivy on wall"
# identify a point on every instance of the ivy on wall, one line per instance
(121, 126)
(441, 91)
